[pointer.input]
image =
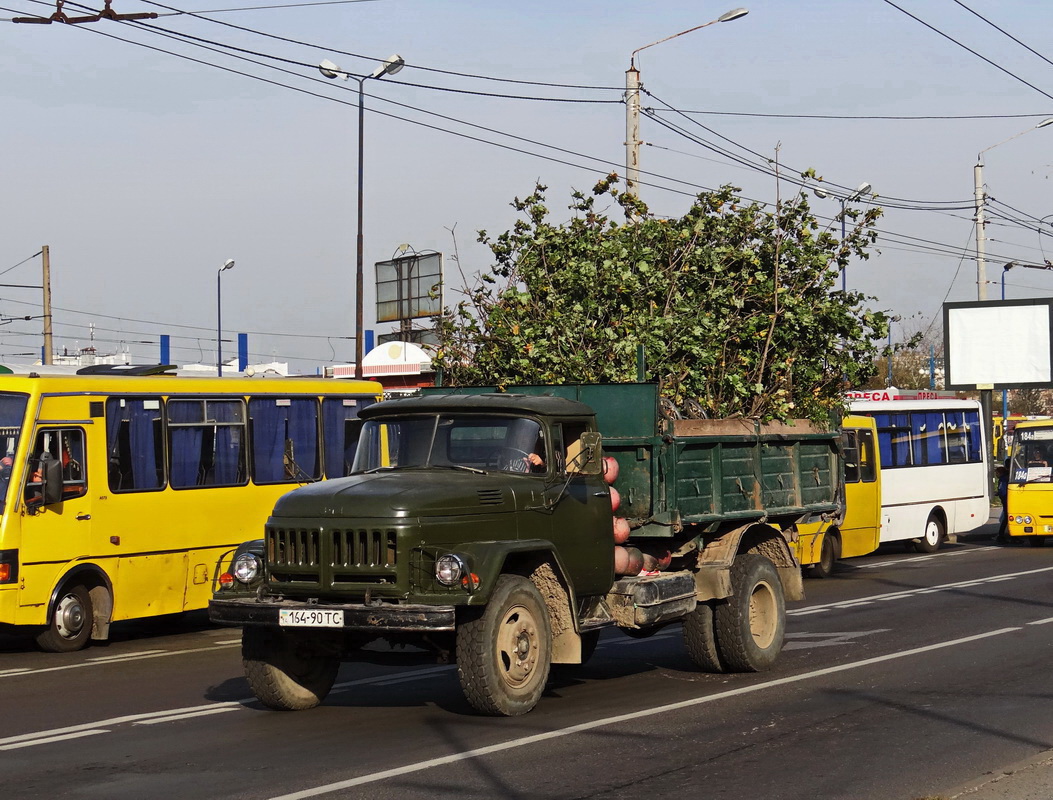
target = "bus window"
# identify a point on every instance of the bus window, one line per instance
(340, 429)
(850, 445)
(867, 465)
(285, 439)
(135, 444)
(206, 442)
(66, 444)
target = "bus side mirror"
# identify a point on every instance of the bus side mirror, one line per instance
(51, 479)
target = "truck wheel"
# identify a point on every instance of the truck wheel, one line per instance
(71, 621)
(930, 542)
(504, 655)
(700, 638)
(829, 552)
(283, 676)
(751, 624)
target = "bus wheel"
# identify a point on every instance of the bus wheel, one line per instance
(504, 655)
(1037, 541)
(930, 542)
(700, 638)
(828, 555)
(751, 624)
(283, 676)
(71, 621)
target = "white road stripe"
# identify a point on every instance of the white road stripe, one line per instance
(98, 662)
(52, 739)
(176, 717)
(525, 741)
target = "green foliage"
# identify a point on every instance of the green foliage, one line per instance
(735, 306)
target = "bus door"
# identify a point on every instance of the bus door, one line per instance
(55, 529)
(861, 530)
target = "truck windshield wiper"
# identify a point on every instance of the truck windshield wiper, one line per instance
(476, 470)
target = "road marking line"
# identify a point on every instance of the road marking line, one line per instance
(128, 656)
(1045, 621)
(176, 717)
(98, 662)
(51, 739)
(16, 671)
(512, 744)
(912, 559)
(843, 604)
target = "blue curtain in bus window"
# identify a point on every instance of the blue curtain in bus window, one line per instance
(340, 428)
(228, 442)
(185, 451)
(927, 436)
(141, 434)
(296, 420)
(974, 436)
(894, 439)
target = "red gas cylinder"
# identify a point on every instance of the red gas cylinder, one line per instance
(650, 563)
(616, 499)
(635, 561)
(610, 469)
(621, 530)
(665, 558)
(621, 561)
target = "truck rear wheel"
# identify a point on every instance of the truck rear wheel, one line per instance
(505, 654)
(700, 638)
(751, 624)
(283, 676)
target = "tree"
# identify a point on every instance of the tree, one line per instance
(734, 306)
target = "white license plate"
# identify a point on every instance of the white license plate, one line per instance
(310, 618)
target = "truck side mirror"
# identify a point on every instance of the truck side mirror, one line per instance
(585, 455)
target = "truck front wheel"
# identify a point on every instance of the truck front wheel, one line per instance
(283, 676)
(504, 655)
(751, 624)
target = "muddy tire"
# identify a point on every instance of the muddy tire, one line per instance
(933, 537)
(71, 621)
(751, 624)
(700, 638)
(504, 655)
(284, 676)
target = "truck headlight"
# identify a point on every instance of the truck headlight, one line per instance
(246, 567)
(450, 569)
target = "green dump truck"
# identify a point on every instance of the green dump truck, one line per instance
(504, 531)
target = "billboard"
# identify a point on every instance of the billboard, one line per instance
(998, 344)
(409, 287)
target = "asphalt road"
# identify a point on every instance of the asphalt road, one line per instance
(904, 676)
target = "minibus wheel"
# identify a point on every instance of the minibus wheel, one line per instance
(933, 537)
(71, 619)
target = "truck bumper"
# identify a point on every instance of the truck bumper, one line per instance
(377, 618)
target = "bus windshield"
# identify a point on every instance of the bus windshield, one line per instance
(471, 442)
(1032, 456)
(12, 413)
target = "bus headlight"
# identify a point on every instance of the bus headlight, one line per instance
(450, 569)
(246, 567)
(1027, 519)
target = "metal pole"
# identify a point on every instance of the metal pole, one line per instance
(359, 267)
(49, 349)
(981, 268)
(632, 129)
(843, 283)
(219, 324)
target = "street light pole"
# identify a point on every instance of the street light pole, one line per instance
(389, 67)
(864, 188)
(632, 102)
(228, 264)
(980, 201)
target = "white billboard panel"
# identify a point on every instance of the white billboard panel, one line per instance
(998, 344)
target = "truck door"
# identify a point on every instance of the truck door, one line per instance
(582, 520)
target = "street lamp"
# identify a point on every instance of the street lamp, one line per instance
(632, 101)
(980, 201)
(228, 264)
(389, 67)
(864, 188)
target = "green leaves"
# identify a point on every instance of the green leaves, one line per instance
(733, 307)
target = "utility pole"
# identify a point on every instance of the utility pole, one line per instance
(49, 349)
(980, 200)
(632, 129)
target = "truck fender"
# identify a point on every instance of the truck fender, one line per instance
(713, 575)
(535, 559)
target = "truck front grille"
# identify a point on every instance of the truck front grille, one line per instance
(321, 557)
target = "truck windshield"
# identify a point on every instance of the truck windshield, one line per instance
(446, 440)
(12, 413)
(1032, 456)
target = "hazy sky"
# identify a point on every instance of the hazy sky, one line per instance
(143, 171)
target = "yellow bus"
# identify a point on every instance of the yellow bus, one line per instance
(1029, 501)
(856, 531)
(120, 492)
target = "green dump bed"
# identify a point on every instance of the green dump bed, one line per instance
(675, 472)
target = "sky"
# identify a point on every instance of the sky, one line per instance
(146, 154)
